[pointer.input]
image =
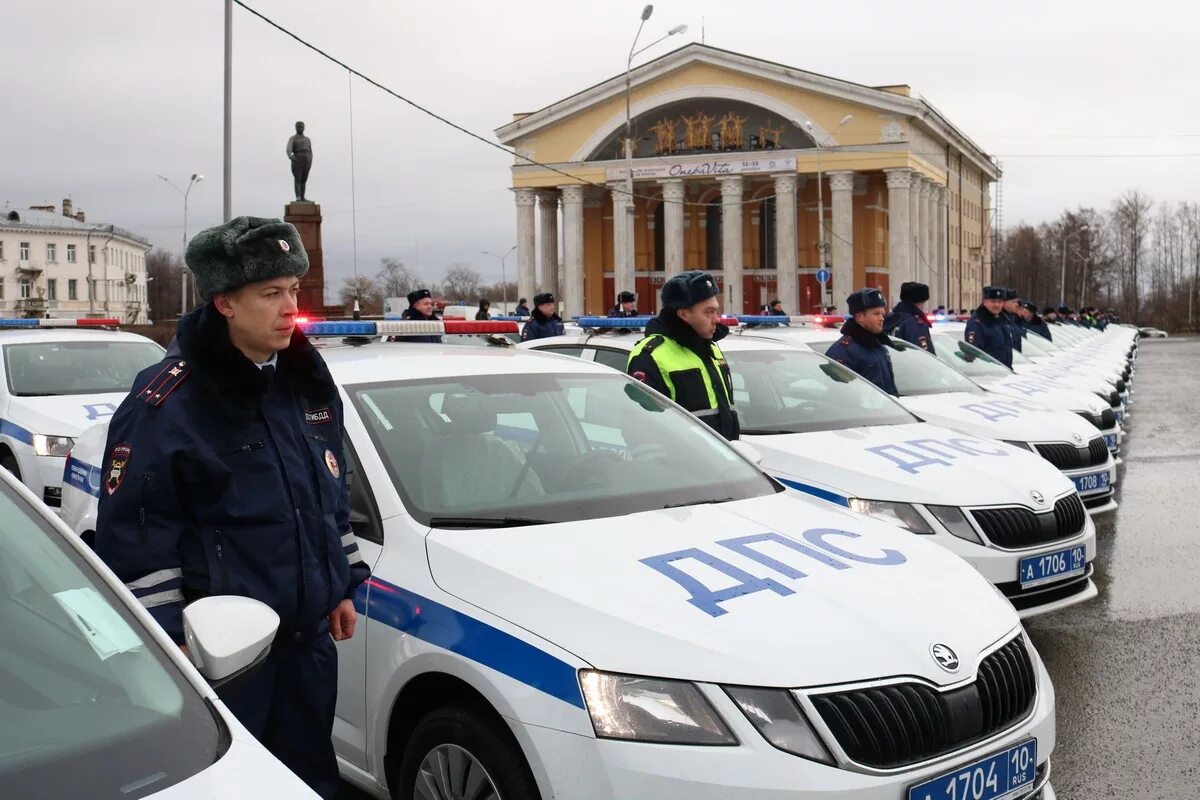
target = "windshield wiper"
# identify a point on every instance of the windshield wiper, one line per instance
(765, 431)
(711, 501)
(486, 522)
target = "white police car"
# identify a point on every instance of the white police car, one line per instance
(58, 377)
(995, 377)
(940, 395)
(825, 431)
(581, 591)
(95, 700)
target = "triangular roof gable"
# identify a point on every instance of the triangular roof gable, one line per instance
(880, 99)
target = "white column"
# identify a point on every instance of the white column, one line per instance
(622, 205)
(526, 263)
(941, 291)
(929, 270)
(548, 241)
(787, 280)
(914, 230)
(841, 185)
(673, 196)
(899, 182)
(731, 241)
(572, 273)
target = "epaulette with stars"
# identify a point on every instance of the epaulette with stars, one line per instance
(166, 381)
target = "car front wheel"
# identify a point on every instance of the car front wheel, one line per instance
(454, 754)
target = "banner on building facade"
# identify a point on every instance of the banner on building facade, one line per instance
(710, 168)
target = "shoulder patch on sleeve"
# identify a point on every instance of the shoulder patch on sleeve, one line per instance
(166, 381)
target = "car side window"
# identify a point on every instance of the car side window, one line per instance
(614, 359)
(571, 350)
(364, 516)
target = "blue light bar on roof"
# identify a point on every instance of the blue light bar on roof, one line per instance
(612, 322)
(19, 323)
(755, 319)
(508, 318)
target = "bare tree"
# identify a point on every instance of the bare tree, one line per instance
(395, 279)
(462, 283)
(366, 291)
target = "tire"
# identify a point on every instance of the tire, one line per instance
(455, 754)
(9, 462)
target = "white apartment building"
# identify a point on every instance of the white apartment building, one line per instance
(60, 265)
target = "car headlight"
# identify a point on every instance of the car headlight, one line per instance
(1021, 445)
(778, 718)
(956, 522)
(651, 710)
(52, 445)
(899, 514)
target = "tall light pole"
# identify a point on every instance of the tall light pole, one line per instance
(183, 293)
(633, 51)
(227, 141)
(821, 197)
(503, 276)
(1063, 239)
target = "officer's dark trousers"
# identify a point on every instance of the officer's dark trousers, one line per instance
(288, 704)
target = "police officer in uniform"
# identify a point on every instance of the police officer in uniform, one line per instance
(987, 330)
(420, 308)
(544, 321)
(1034, 323)
(626, 306)
(1050, 315)
(908, 320)
(680, 357)
(1012, 318)
(864, 346)
(224, 475)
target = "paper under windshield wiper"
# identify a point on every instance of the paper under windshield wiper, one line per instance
(708, 501)
(486, 522)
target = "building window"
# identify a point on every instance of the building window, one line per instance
(72, 289)
(24, 251)
(51, 253)
(70, 254)
(52, 288)
(24, 287)
(91, 254)
(1, 249)
(1, 288)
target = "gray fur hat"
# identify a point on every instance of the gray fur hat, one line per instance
(245, 250)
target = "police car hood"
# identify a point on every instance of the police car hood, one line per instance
(632, 594)
(1041, 393)
(62, 415)
(246, 770)
(1005, 418)
(917, 463)
(1080, 380)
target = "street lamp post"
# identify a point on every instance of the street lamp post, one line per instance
(1064, 238)
(633, 51)
(183, 293)
(503, 274)
(821, 245)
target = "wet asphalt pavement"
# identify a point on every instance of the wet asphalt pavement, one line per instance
(1126, 666)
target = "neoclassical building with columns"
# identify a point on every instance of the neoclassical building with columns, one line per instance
(727, 150)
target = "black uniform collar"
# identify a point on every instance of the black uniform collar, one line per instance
(986, 316)
(668, 324)
(234, 384)
(909, 308)
(864, 337)
(542, 318)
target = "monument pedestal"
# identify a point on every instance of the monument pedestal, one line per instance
(307, 219)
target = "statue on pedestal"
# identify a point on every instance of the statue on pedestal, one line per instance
(299, 150)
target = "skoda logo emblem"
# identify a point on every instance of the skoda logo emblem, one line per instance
(1078, 439)
(946, 658)
(1037, 496)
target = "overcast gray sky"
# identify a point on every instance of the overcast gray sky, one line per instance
(1080, 101)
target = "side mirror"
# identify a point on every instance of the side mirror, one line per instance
(228, 636)
(748, 451)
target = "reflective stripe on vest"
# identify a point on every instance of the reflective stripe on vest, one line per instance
(671, 356)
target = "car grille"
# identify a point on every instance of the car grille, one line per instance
(1114, 399)
(1023, 599)
(1068, 456)
(901, 724)
(1014, 528)
(1104, 420)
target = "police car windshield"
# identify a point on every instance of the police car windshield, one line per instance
(919, 372)
(89, 705)
(80, 367)
(794, 391)
(968, 359)
(1035, 345)
(507, 450)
